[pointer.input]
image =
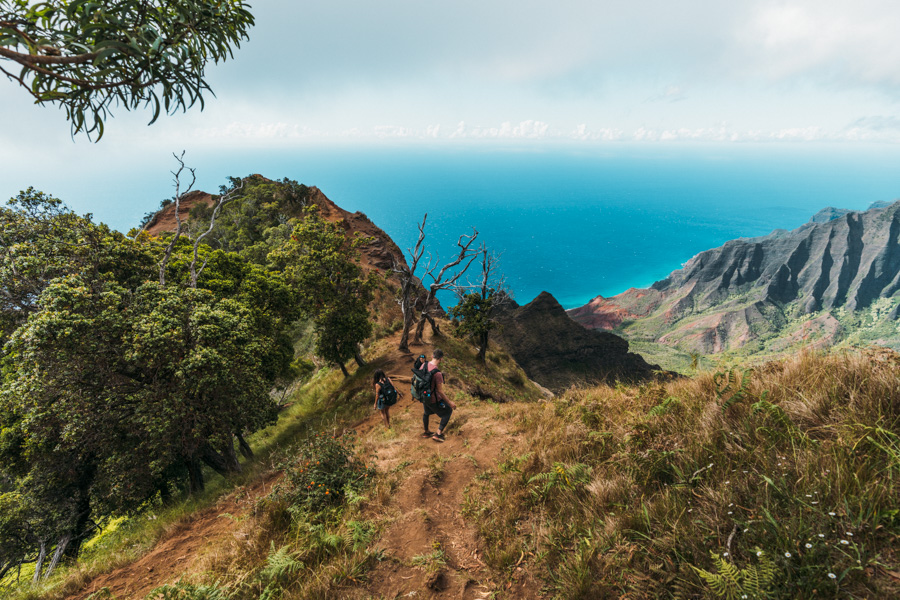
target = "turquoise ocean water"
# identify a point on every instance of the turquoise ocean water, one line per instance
(576, 223)
(582, 224)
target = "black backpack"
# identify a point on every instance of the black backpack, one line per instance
(423, 383)
(388, 393)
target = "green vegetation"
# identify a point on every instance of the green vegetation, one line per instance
(679, 489)
(118, 389)
(322, 265)
(88, 57)
(774, 482)
(781, 334)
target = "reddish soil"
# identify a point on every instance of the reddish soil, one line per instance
(164, 220)
(609, 313)
(182, 547)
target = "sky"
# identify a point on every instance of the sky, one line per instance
(497, 73)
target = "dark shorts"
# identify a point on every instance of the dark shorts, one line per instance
(441, 409)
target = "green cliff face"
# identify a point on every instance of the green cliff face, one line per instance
(833, 280)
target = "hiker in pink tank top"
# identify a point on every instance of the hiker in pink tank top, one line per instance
(442, 407)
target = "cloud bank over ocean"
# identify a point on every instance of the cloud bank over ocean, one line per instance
(581, 74)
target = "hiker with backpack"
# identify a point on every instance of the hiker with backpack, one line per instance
(385, 395)
(428, 388)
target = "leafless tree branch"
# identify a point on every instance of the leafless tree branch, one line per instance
(223, 199)
(178, 196)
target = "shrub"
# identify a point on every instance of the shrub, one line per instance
(324, 469)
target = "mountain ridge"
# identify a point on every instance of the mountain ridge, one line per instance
(754, 288)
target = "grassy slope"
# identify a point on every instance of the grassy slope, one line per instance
(869, 326)
(601, 492)
(628, 491)
(336, 541)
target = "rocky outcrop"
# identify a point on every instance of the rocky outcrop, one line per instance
(557, 352)
(724, 297)
(378, 254)
(164, 220)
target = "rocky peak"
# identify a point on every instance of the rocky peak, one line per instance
(557, 352)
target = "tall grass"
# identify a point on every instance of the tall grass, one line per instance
(641, 490)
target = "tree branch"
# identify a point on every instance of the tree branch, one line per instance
(178, 195)
(29, 60)
(223, 199)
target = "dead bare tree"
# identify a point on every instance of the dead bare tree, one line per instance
(466, 255)
(222, 201)
(408, 287)
(178, 196)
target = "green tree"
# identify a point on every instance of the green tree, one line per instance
(115, 384)
(476, 311)
(320, 262)
(40, 240)
(259, 219)
(89, 56)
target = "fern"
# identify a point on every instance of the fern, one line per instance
(281, 564)
(731, 386)
(665, 406)
(186, 591)
(561, 476)
(731, 583)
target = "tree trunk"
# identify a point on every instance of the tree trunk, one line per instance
(482, 351)
(435, 328)
(231, 458)
(195, 472)
(40, 562)
(6, 569)
(343, 369)
(165, 495)
(404, 337)
(60, 549)
(83, 522)
(359, 359)
(216, 460)
(246, 450)
(420, 330)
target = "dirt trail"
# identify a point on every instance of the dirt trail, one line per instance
(181, 548)
(429, 549)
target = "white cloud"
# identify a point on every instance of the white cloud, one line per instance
(829, 40)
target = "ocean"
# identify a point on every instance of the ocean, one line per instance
(579, 224)
(574, 222)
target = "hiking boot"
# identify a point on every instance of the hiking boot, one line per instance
(438, 437)
(427, 434)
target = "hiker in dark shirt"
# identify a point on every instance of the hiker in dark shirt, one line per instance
(442, 407)
(385, 395)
